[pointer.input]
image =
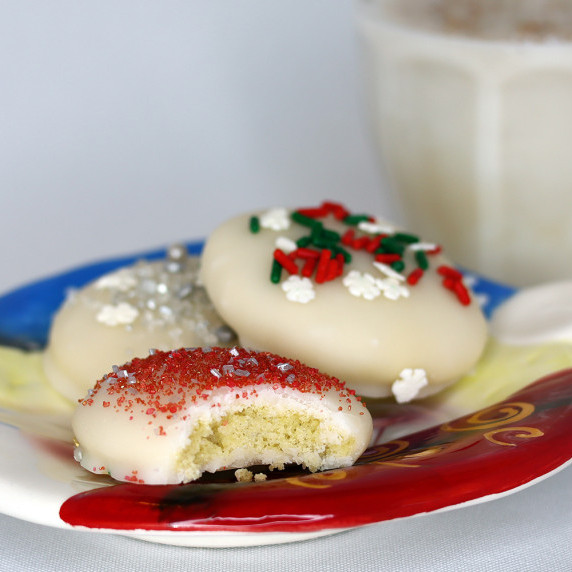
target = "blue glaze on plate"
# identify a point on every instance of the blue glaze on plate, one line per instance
(26, 313)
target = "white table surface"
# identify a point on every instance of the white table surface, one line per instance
(135, 124)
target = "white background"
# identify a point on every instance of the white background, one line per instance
(134, 124)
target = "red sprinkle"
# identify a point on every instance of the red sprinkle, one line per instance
(323, 264)
(333, 270)
(348, 237)
(307, 253)
(341, 262)
(361, 243)
(462, 293)
(318, 212)
(309, 267)
(285, 261)
(337, 209)
(375, 242)
(415, 276)
(449, 283)
(387, 258)
(171, 381)
(437, 250)
(449, 272)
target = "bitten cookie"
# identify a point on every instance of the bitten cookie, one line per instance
(173, 415)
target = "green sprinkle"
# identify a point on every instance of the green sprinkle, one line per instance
(331, 235)
(321, 242)
(304, 220)
(339, 250)
(276, 272)
(304, 241)
(421, 259)
(398, 265)
(316, 233)
(254, 224)
(389, 244)
(354, 220)
(405, 237)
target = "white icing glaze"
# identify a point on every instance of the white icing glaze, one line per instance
(535, 315)
(365, 342)
(125, 314)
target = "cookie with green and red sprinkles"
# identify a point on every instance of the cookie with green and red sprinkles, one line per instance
(171, 416)
(349, 293)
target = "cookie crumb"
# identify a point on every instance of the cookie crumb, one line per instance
(243, 475)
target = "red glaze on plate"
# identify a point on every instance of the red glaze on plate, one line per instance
(474, 458)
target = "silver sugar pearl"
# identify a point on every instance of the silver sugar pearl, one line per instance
(173, 266)
(177, 252)
(184, 291)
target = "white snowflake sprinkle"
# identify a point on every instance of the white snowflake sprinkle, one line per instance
(408, 385)
(122, 280)
(423, 246)
(299, 289)
(393, 289)
(388, 271)
(376, 227)
(78, 454)
(287, 245)
(120, 314)
(275, 219)
(362, 285)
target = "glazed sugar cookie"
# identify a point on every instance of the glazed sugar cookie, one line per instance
(124, 314)
(171, 416)
(349, 294)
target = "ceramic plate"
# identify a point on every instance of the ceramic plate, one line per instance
(430, 456)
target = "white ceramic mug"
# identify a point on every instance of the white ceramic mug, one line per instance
(471, 102)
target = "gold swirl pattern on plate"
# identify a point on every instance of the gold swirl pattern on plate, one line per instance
(519, 432)
(316, 481)
(393, 454)
(494, 416)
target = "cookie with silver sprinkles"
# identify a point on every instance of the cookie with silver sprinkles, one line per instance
(158, 304)
(171, 416)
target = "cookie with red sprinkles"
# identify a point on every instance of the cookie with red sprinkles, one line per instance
(171, 416)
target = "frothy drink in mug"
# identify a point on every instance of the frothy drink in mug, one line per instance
(472, 107)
